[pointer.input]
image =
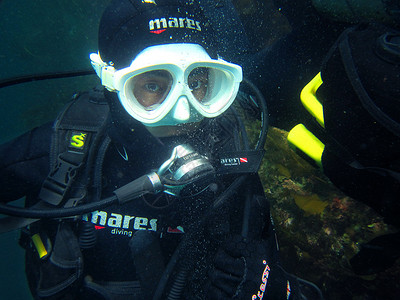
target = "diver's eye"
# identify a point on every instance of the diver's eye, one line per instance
(195, 85)
(152, 87)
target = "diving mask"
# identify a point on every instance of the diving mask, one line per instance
(172, 84)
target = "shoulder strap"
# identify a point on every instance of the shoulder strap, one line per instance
(78, 131)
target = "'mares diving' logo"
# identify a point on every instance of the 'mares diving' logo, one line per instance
(121, 224)
(160, 25)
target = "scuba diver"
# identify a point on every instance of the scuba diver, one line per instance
(354, 129)
(147, 187)
(282, 68)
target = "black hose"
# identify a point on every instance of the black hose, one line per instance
(49, 212)
(168, 270)
(87, 235)
(305, 282)
(43, 76)
(191, 235)
(246, 213)
(229, 191)
(264, 115)
(180, 280)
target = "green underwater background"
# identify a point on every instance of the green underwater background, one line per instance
(39, 37)
(319, 228)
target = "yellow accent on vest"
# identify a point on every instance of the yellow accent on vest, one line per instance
(78, 141)
(37, 241)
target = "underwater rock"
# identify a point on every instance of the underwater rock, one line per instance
(310, 204)
(319, 228)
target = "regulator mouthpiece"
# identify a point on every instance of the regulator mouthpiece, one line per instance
(186, 169)
(185, 173)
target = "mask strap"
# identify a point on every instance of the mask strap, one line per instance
(103, 70)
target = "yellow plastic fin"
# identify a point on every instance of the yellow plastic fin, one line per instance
(310, 101)
(304, 140)
(41, 249)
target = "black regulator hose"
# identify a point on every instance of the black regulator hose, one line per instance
(139, 187)
(49, 212)
(264, 114)
(43, 76)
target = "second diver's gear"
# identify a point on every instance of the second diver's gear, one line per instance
(172, 84)
(355, 101)
(377, 255)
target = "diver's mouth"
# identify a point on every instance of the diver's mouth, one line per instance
(175, 130)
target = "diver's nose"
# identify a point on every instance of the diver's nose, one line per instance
(181, 110)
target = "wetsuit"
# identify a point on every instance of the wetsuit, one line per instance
(110, 262)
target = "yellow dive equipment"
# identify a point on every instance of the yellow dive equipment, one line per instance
(41, 249)
(309, 99)
(300, 137)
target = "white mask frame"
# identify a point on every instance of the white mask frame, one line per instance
(180, 105)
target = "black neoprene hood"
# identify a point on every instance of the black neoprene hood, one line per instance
(129, 26)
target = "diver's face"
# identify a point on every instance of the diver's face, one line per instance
(151, 89)
(177, 130)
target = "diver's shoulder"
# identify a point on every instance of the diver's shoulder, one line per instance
(31, 145)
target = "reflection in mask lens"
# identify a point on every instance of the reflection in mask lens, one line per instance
(151, 88)
(198, 83)
(209, 85)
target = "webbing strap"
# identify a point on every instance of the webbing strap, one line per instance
(77, 133)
